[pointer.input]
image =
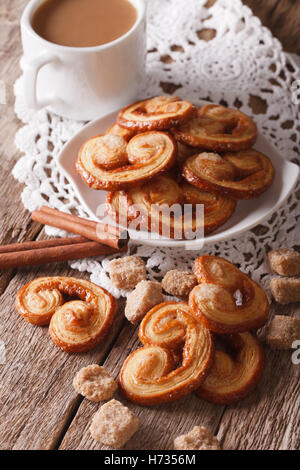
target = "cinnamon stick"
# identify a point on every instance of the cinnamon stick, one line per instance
(13, 247)
(66, 216)
(102, 233)
(54, 254)
(106, 228)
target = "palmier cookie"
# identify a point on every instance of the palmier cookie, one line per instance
(110, 163)
(75, 325)
(236, 370)
(226, 300)
(149, 375)
(158, 113)
(242, 175)
(218, 129)
(217, 208)
(142, 203)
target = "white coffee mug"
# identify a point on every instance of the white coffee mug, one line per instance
(83, 83)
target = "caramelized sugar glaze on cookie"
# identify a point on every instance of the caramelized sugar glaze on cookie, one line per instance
(82, 23)
(149, 375)
(159, 113)
(146, 155)
(243, 175)
(218, 129)
(213, 301)
(238, 366)
(75, 325)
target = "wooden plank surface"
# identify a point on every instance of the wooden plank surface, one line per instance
(269, 417)
(39, 408)
(37, 397)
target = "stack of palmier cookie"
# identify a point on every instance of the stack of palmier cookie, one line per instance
(232, 306)
(162, 151)
(207, 345)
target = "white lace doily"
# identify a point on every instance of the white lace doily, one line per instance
(242, 65)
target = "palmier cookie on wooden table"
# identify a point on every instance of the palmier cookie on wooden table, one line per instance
(149, 375)
(109, 162)
(236, 370)
(158, 113)
(142, 202)
(226, 300)
(75, 325)
(242, 175)
(218, 129)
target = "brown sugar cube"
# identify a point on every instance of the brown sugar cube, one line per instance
(179, 283)
(94, 383)
(285, 262)
(146, 295)
(285, 289)
(282, 332)
(127, 272)
(199, 438)
(113, 424)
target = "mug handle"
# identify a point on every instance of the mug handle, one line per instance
(31, 71)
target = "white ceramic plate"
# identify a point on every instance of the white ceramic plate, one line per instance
(247, 214)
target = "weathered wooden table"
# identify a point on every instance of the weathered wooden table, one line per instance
(39, 408)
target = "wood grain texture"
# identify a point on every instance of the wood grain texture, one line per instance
(269, 417)
(39, 408)
(36, 393)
